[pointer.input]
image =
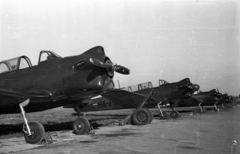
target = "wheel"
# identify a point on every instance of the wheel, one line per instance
(163, 115)
(151, 115)
(37, 131)
(174, 114)
(81, 126)
(140, 117)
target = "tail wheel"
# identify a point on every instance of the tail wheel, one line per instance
(174, 114)
(141, 117)
(163, 115)
(37, 133)
(81, 126)
(151, 115)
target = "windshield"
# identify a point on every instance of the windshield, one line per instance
(138, 87)
(47, 55)
(162, 82)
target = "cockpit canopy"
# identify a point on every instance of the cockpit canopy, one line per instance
(15, 64)
(146, 85)
(47, 55)
(24, 62)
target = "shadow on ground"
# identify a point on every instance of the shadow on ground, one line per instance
(8, 129)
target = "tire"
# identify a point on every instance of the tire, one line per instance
(174, 114)
(151, 115)
(164, 116)
(140, 117)
(37, 131)
(81, 126)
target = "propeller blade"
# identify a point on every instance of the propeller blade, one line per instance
(98, 63)
(121, 69)
(196, 87)
(117, 68)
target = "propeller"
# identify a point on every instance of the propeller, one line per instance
(196, 87)
(109, 65)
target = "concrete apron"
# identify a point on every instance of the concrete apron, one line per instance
(212, 132)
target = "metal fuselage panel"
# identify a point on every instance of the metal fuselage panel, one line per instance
(102, 104)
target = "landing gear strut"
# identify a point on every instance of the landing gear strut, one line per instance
(141, 116)
(223, 106)
(81, 125)
(34, 132)
(202, 109)
(216, 108)
(162, 114)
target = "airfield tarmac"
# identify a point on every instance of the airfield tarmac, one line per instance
(208, 133)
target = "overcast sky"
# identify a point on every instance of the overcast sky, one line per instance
(155, 39)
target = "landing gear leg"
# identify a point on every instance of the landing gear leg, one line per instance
(200, 107)
(34, 131)
(142, 116)
(174, 114)
(81, 125)
(162, 114)
(223, 106)
(216, 108)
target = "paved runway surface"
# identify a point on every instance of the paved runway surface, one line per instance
(213, 133)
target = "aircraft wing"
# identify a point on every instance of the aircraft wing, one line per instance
(9, 93)
(9, 98)
(126, 99)
(121, 95)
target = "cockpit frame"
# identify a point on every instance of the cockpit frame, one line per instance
(14, 64)
(50, 55)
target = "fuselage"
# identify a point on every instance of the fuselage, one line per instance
(171, 92)
(166, 93)
(58, 79)
(202, 98)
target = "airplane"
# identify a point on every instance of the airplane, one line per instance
(129, 97)
(201, 99)
(225, 99)
(167, 94)
(54, 82)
